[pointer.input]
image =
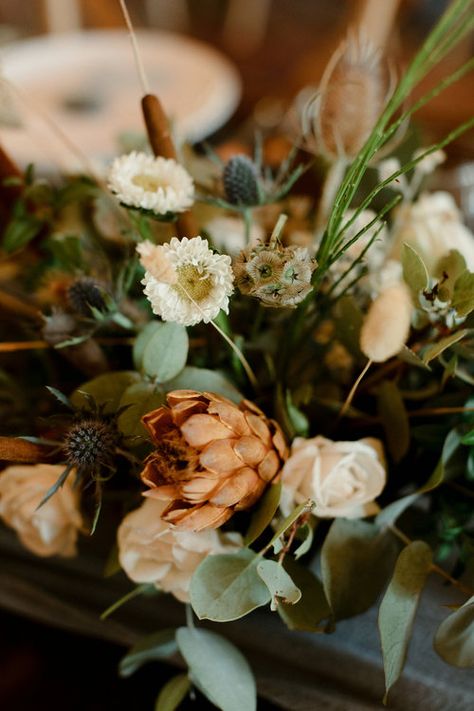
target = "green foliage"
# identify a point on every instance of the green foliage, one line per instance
(138, 399)
(398, 608)
(447, 271)
(415, 273)
(394, 417)
(155, 647)
(307, 614)
(463, 294)
(218, 669)
(357, 558)
(226, 587)
(173, 693)
(454, 640)
(431, 352)
(165, 351)
(106, 389)
(279, 583)
(264, 514)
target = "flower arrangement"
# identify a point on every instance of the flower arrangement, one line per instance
(276, 388)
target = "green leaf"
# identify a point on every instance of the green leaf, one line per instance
(204, 380)
(448, 269)
(218, 669)
(281, 586)
(225, 587)
(139, 399)
(264, 514)
(157, 646)
(63, 399)
(463, 294)
(305, 534)
(468, 438)
(390, 513)
(398, 608)
(306, 507)
(173, 693)
(415, 273)
(433, 351)
(20, 231)
(394, 417)
(454, 640)
(142, 341)
(408, 356)
(106, 389)
(312, 608)
(299, 421)
(356, 560)
(348, 321)
(166, 352)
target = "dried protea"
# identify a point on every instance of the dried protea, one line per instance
(351, 97)
(211, 457)
(278, 276)
(241, 181)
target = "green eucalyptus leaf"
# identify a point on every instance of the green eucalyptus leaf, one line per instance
(226, 587)
(415, 272)
(408, 356)
(448, 269)
(394, 417)
(434, 350)
(305, 507)
(463, 294)
(218, 669)
(264, 514)
(157, 646)
(305, 533)
(106, 389)
(357, 558)
(211, 381)
(142, 341)
(390, 513)
(454, 640)
(166, 352)
(173, 693)
(139, 399)
(398, 608)
(312, 608)
(281, 586)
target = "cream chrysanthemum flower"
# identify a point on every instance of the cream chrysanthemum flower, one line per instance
(157, 184)
(202, 283)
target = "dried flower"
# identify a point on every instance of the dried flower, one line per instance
(204, 280)
(157, 184)
(342, 478)
(86, 293)
(352, 93)
(152, 551)
(241, 181)
(277, 276)
(51, 529)
(386, 326)
(211, 457)
(90, 445)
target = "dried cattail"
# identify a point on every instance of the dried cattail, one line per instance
(352, 93)
(241, 181)
(387, 325)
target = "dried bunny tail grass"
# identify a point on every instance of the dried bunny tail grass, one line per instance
(352, 93)
(387, 325)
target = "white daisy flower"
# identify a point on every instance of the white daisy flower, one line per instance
(202, 285)
(157, 184)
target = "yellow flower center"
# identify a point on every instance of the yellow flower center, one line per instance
(148, 182)
(192, 282)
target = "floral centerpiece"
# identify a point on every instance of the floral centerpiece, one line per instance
(265, 395)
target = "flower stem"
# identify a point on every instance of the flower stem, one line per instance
(245, 364)
(353, 390)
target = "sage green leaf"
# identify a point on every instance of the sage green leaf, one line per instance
(454, 640)
(357, 559)
(305, 534)
(106, 389)
(468, 438)
(463, 294)
(390, 513)
(227, 586)
(393, 414)
(348, 321)
(415, 272)
(434, 350)
(159, 645)
(398, 608)
(289, 521)
(408, 356)
(312, 608)
(264, 514)
(173, 693)
(142, 341)
(210, 381)
(279, 583)
(140, 398)
(218, 669)
(166, 352)
(447, 270)
(20, 231)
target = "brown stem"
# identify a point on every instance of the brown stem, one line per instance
(159, 135)
(13, 449)
(18, 307)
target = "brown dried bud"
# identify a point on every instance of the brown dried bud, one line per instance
(212, 457)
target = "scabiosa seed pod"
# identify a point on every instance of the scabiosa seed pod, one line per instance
(278, 276)
(90, 444)
(241, 181)
(85, 293)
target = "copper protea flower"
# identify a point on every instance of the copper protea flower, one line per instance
(211, 457)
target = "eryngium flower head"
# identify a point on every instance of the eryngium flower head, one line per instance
(185, 281)
(277, 276)
(241, 181)
(157, 184)
(85, 293)
(90, 445)
(212, 457)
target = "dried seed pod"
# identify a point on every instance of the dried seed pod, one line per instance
(85, 293)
